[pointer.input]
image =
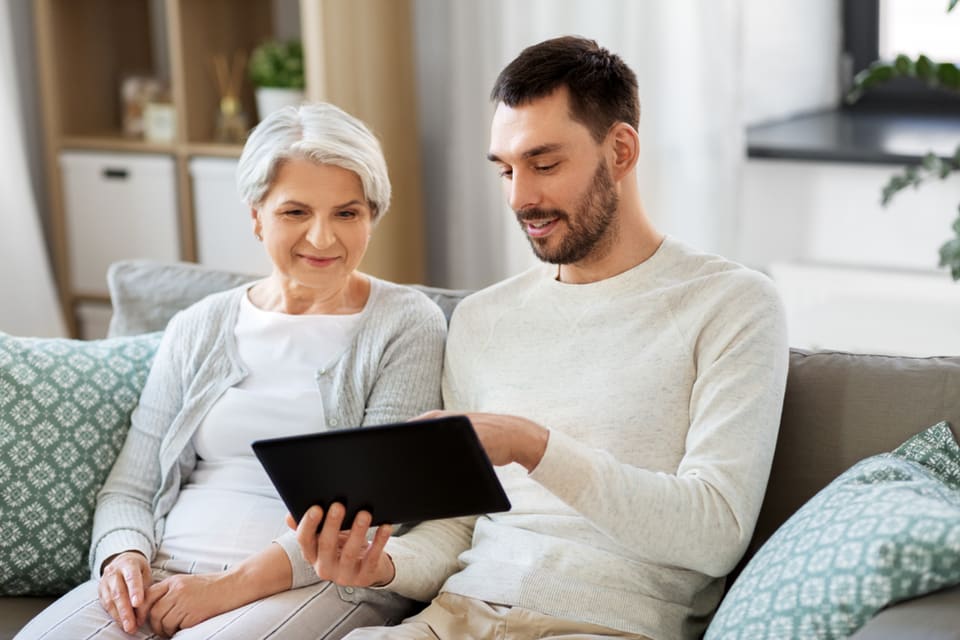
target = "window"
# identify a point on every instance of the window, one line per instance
(881, 29)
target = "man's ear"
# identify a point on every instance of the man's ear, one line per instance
(624, 144)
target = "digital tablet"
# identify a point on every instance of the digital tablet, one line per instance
(400, 473)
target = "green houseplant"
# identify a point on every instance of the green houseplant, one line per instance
(276, 71)
(941, 75)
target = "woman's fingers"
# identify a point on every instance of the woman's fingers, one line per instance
(352, 550)
(328, 543)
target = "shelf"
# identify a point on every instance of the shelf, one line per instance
(213, 149)
(115, 142)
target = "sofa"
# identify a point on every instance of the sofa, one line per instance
(839, 408)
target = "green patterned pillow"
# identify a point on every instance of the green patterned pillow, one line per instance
(65, 409)
(886, 530)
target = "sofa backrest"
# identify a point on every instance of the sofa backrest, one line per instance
(145, 294)
(839, 407)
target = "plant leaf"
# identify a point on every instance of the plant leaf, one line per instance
(952, 4)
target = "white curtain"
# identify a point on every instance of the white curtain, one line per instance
(686, 54)
(28, 300)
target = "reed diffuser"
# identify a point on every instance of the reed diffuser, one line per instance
(232, 123)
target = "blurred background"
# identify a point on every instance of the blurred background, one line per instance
(121, 122)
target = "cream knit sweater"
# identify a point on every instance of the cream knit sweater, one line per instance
(662, 389)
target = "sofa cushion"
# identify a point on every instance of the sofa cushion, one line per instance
(65, 409)
(145, 294)
(886, 530)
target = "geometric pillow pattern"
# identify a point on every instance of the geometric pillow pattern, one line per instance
(65, 410)
(886, 530)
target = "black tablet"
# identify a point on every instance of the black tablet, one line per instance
(400, 473)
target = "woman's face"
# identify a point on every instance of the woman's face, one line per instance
(315, 223)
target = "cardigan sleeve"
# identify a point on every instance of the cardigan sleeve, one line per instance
(124, 518)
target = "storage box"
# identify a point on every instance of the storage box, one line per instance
(117, 206)
(225, 237)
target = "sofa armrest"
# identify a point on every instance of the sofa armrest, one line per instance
(935, 616)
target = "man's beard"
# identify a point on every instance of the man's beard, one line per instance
(590, 230)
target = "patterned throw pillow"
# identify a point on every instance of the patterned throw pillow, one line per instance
(65, 409)
(886, 530)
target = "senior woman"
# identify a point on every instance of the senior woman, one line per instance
(189, 537)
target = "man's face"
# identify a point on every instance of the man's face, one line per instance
(556, 179)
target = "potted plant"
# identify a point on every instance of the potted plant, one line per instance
(276, 71)
(941, 75)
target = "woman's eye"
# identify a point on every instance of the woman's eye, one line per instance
(347, 214)
(294, 212)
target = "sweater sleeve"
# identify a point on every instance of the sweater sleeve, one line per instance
(702, 517)
(123, 519)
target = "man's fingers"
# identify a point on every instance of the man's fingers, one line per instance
(371, 559)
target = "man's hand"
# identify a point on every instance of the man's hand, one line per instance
(122, 589)
(344, 557)
(183, 601)
(505, 438)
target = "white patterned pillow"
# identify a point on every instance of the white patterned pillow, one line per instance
(886, 530)
(65, 409)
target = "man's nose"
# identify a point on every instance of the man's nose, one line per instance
(523, 192)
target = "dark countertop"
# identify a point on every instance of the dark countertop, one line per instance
(862, 137)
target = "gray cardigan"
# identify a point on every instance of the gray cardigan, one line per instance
(391, 372)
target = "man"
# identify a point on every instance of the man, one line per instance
(630, 389)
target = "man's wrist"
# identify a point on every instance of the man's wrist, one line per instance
(534, 446)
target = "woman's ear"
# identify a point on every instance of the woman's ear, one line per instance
(625, 147)
(257, 228)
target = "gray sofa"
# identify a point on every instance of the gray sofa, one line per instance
(839, 408)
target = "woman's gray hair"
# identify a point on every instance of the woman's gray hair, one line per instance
(318, 132)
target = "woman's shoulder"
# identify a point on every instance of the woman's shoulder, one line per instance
(403, 303)
(209, 312)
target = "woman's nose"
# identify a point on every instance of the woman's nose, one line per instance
(320, 234)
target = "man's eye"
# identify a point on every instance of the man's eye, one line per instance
(505, 173)
(543, 168)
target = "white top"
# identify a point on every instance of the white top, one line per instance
(662, 389)
(228, 509)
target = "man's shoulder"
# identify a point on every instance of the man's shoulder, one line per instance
(706, 272)
(509, 292)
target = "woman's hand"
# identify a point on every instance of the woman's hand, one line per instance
(122, 589)
(185, 600)
(344, 557)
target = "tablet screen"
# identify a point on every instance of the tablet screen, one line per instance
(400, 473)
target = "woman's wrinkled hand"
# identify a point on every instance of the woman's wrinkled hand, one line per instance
(345, 558)
(183, 601)
(122, 589)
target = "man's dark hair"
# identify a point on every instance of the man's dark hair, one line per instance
(603, 89)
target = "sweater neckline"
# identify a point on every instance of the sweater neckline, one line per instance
(645, 271)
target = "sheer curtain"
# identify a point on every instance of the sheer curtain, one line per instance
(686, 54)
(28, 300)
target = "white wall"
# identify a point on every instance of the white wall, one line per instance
(791, 58)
